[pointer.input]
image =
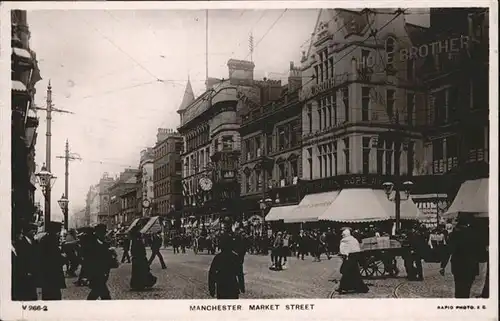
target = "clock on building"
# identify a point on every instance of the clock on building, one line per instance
(145, 203)
(205, 183)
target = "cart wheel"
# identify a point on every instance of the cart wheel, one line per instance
(378, 268)
(365, 271)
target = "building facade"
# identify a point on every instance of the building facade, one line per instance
(105, 182)
(167, 169)
(456, 127)
(145, 186)
(24, 74)
(360, 107)
(271, 147)
(210, 127)
(123, 184)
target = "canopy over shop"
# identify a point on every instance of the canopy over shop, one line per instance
(472, 198)
(357, 205)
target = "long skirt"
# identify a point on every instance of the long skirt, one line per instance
(351, 280)
(141, 275)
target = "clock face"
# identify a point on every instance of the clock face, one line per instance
(145, 203)
(205, 183)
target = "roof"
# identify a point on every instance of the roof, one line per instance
(188, 98)
(418, 34)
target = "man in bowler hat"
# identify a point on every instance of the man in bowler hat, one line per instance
(99, 265)
(51, 267)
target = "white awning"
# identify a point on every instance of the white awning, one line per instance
(20, 52)
(279, 212)
(152, 226)
(367, 205)
(311, 207)
(18, 86)
(471, 198)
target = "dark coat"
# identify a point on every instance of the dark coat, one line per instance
(141, 273)
(24, 268)
(225, 277)
(99, 262)
(156, 242)
(464, 248)
(51, 263)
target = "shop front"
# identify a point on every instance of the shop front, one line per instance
(472, 198)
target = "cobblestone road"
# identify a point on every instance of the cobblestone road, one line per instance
(186, 278)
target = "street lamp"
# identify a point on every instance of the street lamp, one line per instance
(63, 204)
(389, 187)
(46, 180)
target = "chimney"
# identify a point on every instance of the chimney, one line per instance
(240, 72)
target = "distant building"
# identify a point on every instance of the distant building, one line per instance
(145, 184)
(122, 199)
(271, 148)
(167, 171)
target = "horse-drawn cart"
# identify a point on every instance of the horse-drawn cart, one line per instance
(377, 257)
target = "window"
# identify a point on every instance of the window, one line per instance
(476, 145)
(453, 101)
(365, 103)
(347, 155)
(295, 133)
(439, 100)
(309, 117)
(258, 147)
(281, 171)
(364, 58)
(320, 163)
(294, 168)
(438, 164)
(178, 167)
(269, 143)
(227, 143)
(316, 74)
(388, 156)
(258, 175)
(366, 155)
(324, 160)
(325, 64)
(333, 99)
(334, 158)
(248, 182)
(332, 69)
(345, 99)
(310, 162)
(320, 119)
(390, 100)
(410, 157)
(410, 107)
(282, 139)
(248, 149)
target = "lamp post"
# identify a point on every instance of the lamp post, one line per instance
(390, 187)
(46, 181)
(264, 205)
(63, 204)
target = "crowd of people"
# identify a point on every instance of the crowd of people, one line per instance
(44, 260)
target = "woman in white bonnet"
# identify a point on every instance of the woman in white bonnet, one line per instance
(351, 280)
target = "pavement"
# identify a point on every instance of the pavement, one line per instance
(186, 278)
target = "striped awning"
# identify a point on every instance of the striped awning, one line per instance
(21, 53)
(472, 198)
(312, 207)
(152, 226)
(18, 86)
(279, 213)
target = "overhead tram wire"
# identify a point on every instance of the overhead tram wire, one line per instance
(267, 31)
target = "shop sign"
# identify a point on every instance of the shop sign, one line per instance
(324, 86)
(451, 45)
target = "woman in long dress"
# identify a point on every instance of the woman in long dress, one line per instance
(351, 280)
(141, 275)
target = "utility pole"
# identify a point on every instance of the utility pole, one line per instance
(67, 157)
(49, 109)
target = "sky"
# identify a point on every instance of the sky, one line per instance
(123, 74)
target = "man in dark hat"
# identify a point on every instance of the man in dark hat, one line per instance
(155, 248)
(99, 265)
(464, 248)
(24, 263)
(51, 265)
(225, 277)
